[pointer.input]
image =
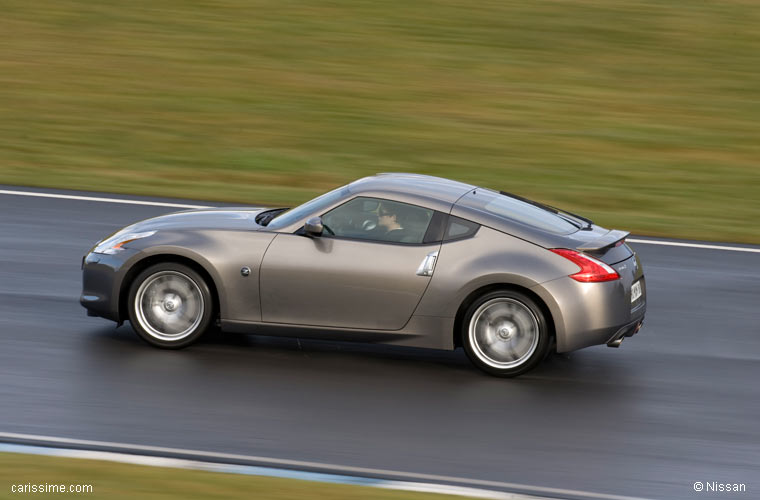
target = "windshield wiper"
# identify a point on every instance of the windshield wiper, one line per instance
(264, 218)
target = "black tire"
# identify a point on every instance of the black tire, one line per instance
(170, 305)
(505, 333)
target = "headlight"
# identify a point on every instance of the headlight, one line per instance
(114, 244)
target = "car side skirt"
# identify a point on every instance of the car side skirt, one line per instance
(431, 332)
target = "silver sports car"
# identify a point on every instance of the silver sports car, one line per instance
(393, 258)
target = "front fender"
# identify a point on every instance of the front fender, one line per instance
(222, 254)
(155, 254)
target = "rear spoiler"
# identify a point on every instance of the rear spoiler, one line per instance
(608, 240)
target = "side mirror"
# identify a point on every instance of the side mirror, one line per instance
(314, 227)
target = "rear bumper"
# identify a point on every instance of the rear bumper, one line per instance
(587, 314)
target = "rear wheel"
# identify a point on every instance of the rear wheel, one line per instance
(170, 305)
(505, 333)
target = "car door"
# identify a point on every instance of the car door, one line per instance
(361, 276)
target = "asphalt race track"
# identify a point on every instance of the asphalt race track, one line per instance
(676, 404)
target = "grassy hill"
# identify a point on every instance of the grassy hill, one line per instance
(644, 115)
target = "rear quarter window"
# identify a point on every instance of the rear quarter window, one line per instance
(460, 228)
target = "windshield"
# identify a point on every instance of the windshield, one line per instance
(318, 204)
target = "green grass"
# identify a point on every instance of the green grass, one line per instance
(111, 480)
(644, 115)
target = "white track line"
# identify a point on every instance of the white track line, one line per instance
(329, 468)
(103, 200)
(693, 245)
(181, 205)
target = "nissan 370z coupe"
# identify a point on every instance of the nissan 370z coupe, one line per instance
(393, 258)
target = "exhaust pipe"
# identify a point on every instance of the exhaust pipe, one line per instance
(615, 343)
(620, 335)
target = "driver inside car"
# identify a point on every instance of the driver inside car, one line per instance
(388, 223)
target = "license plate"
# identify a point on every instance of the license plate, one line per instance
(635, 291)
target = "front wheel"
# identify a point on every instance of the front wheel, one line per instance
(505, 333)
(170, 305)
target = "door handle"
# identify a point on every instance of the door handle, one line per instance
(428, 264)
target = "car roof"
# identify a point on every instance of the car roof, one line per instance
(454, 197)
(424, 188)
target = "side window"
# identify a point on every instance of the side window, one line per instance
(378, 220)
(460, 228)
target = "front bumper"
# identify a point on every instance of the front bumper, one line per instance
(102, 276)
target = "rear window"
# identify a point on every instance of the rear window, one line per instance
(505, 206)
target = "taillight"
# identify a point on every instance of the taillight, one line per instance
(592, 270)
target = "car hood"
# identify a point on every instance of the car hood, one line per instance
(231, 218)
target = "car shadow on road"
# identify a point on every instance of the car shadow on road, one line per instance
(597, 365)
